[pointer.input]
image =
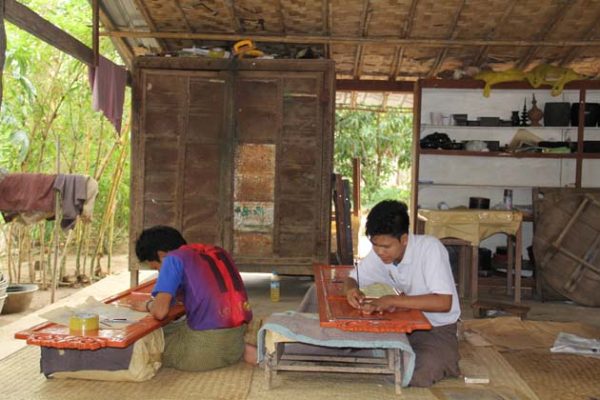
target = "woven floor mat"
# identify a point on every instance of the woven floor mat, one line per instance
(557, 376)
(20, 379)
(331, 386)
(513, 333)
(504, 381)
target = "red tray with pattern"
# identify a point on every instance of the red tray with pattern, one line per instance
(49, 334)
(335, 312)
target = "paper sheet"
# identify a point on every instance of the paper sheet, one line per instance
(111, 316)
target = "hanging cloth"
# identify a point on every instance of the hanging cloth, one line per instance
(108, 81)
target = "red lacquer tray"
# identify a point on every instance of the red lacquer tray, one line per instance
(49, 334)
(335, 312)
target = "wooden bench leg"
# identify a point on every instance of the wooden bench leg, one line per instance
(268, 371)
(398, 370)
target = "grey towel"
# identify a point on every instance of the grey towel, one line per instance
(73, 189)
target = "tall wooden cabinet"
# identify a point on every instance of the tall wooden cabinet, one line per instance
(237, 154)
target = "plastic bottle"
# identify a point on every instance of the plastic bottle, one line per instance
(508, 199)
(275, 287)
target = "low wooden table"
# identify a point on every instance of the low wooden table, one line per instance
(335, 312)
(49, 334)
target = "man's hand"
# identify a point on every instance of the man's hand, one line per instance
(355, 297)
(138, 305)
(384, 303)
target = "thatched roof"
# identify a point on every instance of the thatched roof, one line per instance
(394, 40)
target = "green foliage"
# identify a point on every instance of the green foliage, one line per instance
(382, 141)
(47, 99)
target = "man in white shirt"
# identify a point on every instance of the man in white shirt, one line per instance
(417, 266)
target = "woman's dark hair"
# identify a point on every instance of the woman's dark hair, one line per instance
(389, 217)
(155, 239)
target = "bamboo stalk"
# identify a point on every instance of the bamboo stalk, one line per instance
(63, 255)
(57, 220)
(11, 277)
(29, 255)
(20, 241)
(43, 253)
(111, 231)
(111, 199)
(79, 242)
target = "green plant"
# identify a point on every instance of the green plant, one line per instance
(382, 141)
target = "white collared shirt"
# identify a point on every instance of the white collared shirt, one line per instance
(424, 269)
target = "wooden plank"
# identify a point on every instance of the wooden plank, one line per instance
(345, 85)
(29, 21)
(351, 40)
(343, 225)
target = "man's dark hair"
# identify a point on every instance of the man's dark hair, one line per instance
(155, 239)
(389, 217)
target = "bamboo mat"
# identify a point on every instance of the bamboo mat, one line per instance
(20, 379)
(557, 376)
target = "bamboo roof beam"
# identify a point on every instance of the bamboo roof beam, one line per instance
(384, 101)
(591, 31)
(150, 22)
(364, 27)
(280, 9)
(406, 30)
(349, 40)
(235, 22)
(183, 15)
(453, 33)
(554, 20)
(484, 50)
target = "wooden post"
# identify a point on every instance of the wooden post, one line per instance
(2, 46)
(356, 178)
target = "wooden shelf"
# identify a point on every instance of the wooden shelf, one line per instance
(437, 152)
(512, 128)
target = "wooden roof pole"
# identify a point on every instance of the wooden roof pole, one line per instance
(453, 33)
(554, 20)
(484, 50)
(24, 18)
(349, 40)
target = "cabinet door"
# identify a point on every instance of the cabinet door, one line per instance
(177, 154)
(281, 168)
